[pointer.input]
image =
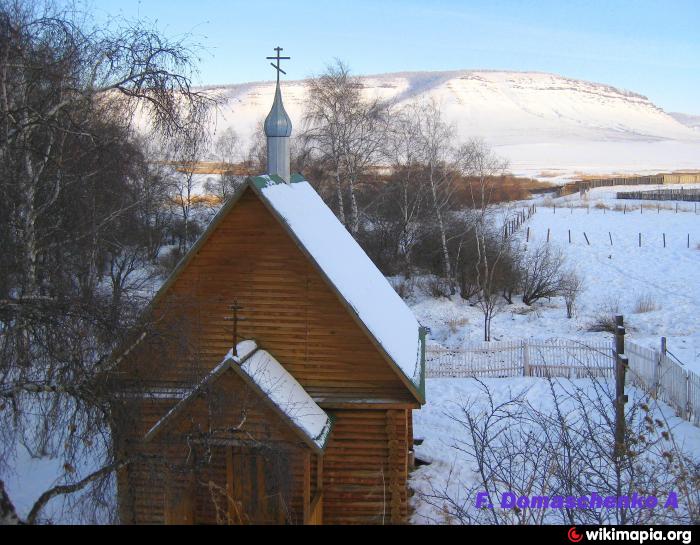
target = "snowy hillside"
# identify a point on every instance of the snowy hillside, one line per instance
(544, 124)
(692, 121)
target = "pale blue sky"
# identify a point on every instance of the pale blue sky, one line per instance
(651, 47)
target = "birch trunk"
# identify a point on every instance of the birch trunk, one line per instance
(441, 226)
(339, 196)
(354, 210)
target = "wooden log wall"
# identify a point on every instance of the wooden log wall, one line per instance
(365, 468)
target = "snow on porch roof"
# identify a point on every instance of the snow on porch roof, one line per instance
(350, 271)
(264, 374)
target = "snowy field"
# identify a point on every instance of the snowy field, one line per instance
(616, 278)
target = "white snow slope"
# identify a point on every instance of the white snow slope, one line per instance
(541, 123)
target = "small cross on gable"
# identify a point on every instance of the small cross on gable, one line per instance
(235, 307)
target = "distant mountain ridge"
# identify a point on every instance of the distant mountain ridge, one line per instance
(692, 121)
(536, 120)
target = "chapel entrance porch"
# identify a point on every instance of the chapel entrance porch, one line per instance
(246, 485)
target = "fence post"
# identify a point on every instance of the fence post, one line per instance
(657, 370)
(621, 365)
(526, 359)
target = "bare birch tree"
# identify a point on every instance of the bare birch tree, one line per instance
(404, 193)
(435, 139)
(71, 175)
(480, 165)
(347, 131)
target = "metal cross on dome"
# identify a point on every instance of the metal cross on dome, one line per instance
(278, 59)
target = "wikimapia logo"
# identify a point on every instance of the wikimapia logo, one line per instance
(637, 536)
(573, 535)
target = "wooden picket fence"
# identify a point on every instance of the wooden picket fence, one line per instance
(528, 357)
(666, 379)
(689, 195)
(648, 368)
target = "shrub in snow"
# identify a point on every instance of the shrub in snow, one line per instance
(571, 287)
(645, 303)
(542, 273)
(604, 320)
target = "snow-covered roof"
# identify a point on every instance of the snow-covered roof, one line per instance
(265, 374)
(349, 270)
(360, 285)
(282, 389)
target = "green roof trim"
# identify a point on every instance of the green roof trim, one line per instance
(422, 333)
(267, 180)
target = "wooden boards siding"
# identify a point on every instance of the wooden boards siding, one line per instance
(158, 488)
(289, 310)
(365, 469)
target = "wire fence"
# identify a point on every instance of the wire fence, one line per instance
(649, 369)
(658, 239)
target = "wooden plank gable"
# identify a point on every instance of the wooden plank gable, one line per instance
(289, 308)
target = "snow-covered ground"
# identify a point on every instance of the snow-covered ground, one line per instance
(616, 278)
(31, 476)
(446, 441)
